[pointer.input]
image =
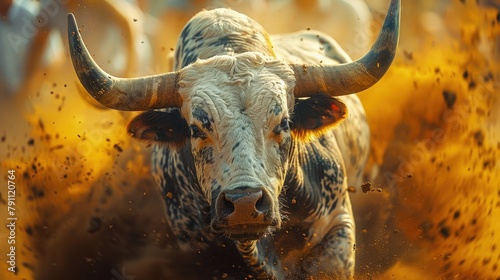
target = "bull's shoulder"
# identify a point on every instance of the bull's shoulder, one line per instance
(311, 46)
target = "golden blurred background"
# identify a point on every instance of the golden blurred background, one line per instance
(87, 208)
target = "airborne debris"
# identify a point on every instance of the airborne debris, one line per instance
(367, 187)
(408, 54)
(449, 98)
(479, 137)
(95, 224)
(118, 148)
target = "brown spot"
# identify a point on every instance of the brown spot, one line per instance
(118, 148)
(449, 98)
(29, 231)
(479, 137)
(445, 231)
(95, 224)
(366, 187)
(351, 189)
(408, 54)
(465, 75)
(57, 147)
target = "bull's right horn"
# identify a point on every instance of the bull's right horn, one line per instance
(354, 76)
(128, 94)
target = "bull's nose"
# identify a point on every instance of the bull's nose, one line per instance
(244, 206)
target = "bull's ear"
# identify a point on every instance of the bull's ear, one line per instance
(314, 115)
(168, 128)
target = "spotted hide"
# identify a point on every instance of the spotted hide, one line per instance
(253, 143)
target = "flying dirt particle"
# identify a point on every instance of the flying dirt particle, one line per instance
(29, 230)
(445, 232)
(135, 19)
(351, 189)
(118, 148)
(31, 142)
(28, 266)
(488, 77)
(3, 138)
(409, 176)
(479, 137)
(449, 98)
(408, 54)
(56, 147)
(169, 195)
(95, 224)
(465, 75)
(366, 187)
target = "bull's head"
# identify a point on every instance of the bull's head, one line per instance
(238, 114)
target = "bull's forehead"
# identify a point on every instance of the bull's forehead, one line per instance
(250, 83)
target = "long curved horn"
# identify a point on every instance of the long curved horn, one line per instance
(128, 94)
(355, 76)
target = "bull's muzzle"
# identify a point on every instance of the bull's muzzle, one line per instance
(244, 213)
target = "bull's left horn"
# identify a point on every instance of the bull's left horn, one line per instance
(355, 76)
(129, 94)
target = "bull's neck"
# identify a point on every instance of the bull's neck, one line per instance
(301, 189)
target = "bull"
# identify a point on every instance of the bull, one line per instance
(253, 147)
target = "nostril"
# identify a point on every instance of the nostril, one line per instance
(262, 205)
(227, 207)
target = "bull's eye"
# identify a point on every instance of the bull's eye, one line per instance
(196, 132)
(285, 124)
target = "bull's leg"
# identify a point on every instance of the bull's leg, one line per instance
(333, 257)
